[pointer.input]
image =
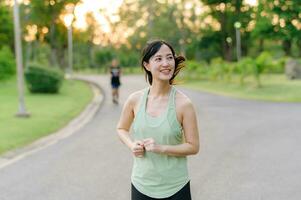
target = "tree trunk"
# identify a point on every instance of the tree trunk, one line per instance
(225, 47)
(287, 44)
(299, 46)
(90, 50)
(53, 56)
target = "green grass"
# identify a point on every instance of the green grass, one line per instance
(274, 88)
(49, 112)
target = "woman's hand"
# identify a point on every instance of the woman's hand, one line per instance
(138, 149)
(150, 145)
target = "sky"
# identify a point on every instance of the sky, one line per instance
(95, 6)
(251, 2)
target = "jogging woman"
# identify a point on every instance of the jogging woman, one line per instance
(164, 128)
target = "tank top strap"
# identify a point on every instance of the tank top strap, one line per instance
(171, 101)
(142, 106)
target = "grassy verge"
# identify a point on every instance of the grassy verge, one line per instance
(275, 88)
(48, 112)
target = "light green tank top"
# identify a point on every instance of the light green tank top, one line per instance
(159, 175)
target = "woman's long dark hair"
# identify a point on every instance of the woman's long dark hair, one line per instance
(151, 49)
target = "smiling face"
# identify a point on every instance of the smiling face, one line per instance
(162, 64)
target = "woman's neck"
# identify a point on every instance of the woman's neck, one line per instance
(160, 89)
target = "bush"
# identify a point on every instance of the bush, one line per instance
(128, 59)
(245, 67)
(196, 70)
(42, 79)
(217, 69)
(7, 63)
(103, 57)
(263, 62)
(277, 66)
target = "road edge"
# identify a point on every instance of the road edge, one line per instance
(73, 126)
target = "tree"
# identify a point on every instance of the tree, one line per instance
(175, 22)
(46, 14)
(280, 20)
(226, 13)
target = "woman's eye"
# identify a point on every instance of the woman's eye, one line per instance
(170, 58)
(158, 59)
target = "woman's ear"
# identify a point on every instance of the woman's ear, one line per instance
(146, 65)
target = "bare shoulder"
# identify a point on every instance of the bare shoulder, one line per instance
(182, 101)
(134, 98)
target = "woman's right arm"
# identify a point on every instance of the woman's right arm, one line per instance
(124, 125)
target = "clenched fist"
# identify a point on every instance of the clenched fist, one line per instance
(150, 145)
(138, 149)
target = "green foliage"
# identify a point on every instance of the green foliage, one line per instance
(277, 66)
(7, 63)
(164, 20)
(6, 27)
(245, 67)
(226, 13)
(49, 113)
(41, 54)
(47, 14)
(263, 61)
(209, 46)
(103, 57)
(196, 70)
(128, 59)
(278, 88)
(277, 22)
(81, 56)
(216, 69)
(43, 79)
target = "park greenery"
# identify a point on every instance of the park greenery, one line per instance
(201, 30)
(42, 79)
(48, 112)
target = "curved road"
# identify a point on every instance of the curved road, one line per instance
(249, 151)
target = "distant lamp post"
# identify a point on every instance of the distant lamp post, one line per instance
(68, 19)
(237, 26)
(229, 40)
(18, 51)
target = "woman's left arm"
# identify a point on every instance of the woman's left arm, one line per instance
(191, 134)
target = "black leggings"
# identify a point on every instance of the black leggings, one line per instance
(183, 194)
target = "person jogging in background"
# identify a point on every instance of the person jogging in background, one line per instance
(164, 128)
(115, 71)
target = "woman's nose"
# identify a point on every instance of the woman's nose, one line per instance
(165, 62)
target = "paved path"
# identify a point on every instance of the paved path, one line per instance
(249, 151)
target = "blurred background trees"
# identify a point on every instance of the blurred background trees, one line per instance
(202, 30)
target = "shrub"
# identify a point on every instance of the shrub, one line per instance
(229, 70)
(263, 62)
(217, 69)
(103, 57)
(196, 70)
(277, 66)
(245, 67)
(7, 63)
(192, 65)
(128, 59)
(42, 79)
